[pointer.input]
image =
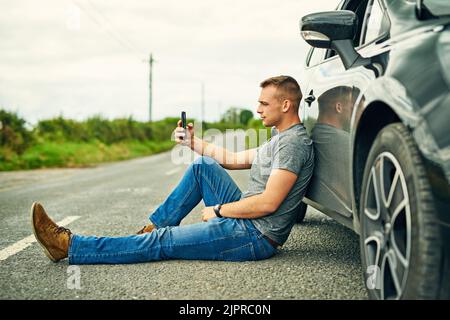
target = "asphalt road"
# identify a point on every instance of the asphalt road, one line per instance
(320, 260)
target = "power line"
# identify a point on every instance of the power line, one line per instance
(114, 29)
(97, 22)
(202, 106)
(120, 39)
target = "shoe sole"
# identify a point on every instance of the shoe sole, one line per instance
(47, 253)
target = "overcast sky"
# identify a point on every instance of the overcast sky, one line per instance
(85, 57)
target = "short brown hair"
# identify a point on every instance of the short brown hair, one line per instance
(287, 88)
(329, 98)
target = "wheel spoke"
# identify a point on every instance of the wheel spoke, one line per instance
(400, 270)
(382, 169)
(373, 253)
(396, 194)
(386, 225)
(400, 233)
(373, 250)
(389, 184)
(373, 228)
(391, 287)
(372, 198)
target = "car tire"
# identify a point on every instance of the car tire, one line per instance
(401, 244)
(301, 212)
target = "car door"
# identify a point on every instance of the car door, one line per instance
(333, 102)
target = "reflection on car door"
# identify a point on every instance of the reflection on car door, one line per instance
(329, 117)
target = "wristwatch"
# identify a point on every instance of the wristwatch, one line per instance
(217, 210)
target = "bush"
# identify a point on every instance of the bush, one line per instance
(245, 116)
(95, 129)
(60, 142)
(162, 129)
(60, 129)
(13, 134)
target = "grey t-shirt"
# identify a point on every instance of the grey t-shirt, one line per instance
(291, 150)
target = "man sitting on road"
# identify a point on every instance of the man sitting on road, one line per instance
(237, 226)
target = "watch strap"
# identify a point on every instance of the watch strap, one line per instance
(217, 208)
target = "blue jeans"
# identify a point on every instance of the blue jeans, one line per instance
(218, 239)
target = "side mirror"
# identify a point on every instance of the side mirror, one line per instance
(321, 29)
(333, 30)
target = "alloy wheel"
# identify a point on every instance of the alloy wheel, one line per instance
(386, 227)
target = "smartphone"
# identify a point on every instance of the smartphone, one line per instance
(183, 119)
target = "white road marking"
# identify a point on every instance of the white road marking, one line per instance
(28, 241)
(173, 171)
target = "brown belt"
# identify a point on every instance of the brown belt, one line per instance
(273, 243)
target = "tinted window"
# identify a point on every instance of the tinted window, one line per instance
(316, 56)
(375, 22)
(438, 7)
(340, 5)
(359, 8)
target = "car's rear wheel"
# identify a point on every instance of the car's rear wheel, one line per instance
(301, 212)
(401, 243)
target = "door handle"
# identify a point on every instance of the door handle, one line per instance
(310, 98)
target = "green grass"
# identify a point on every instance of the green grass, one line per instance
(48, 154)
(60, 142)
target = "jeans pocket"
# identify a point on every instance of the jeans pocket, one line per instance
(242, 253)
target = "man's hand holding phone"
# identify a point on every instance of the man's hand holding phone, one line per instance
(184, 133)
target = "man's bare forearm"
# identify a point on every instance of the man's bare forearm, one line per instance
(249, 208)
(225, 158)
(204, 148)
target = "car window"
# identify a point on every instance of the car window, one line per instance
(438, 7)
(339, 6)
(316, 56)
(359, 8)
(375, 22)
(319, 55)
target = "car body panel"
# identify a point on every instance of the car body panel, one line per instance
(406, 74)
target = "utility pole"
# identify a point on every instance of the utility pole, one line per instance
(150, 63)
(219, 109)
(203, 103)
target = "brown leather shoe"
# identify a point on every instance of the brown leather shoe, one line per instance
(54, 239)
(147, 229)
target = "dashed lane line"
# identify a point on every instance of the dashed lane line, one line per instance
(28, 241)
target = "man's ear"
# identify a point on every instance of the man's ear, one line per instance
(338, 107)
(287, 105)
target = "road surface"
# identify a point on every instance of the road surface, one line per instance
(320, 260)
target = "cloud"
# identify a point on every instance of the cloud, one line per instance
(51, 66)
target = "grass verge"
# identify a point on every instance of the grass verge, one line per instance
(48, 154)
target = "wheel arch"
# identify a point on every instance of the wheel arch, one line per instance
(386, 101)
(376, 116)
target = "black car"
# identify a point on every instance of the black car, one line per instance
(377, 105)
